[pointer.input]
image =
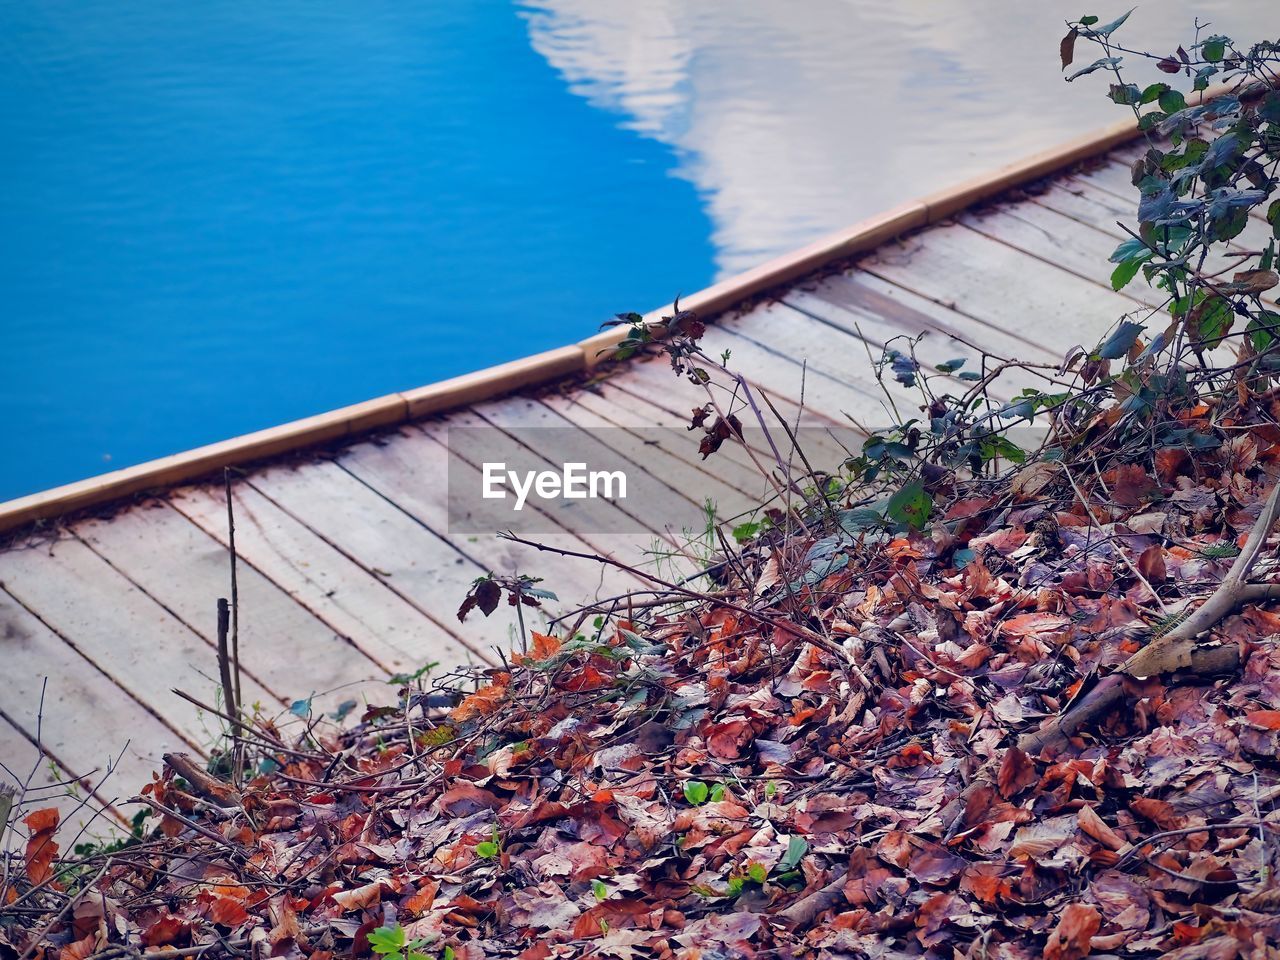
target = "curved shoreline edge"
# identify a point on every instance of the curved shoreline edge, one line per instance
(406, 406)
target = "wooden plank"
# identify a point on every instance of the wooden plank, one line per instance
(410, 560)
(88, 722)
(282, 644)
(651, 503)
(733, 487)
(123, 632)
(984, 278)
(1085, 202)
(933, 348)
(841, 354)
(1114, 177)
(611, 531)
(882, 311)
(412, 469)
(39, 782)
(627, 411)
(792, 378)
(492, 444)
(346, 596)
(1057, 239)
(653, 380)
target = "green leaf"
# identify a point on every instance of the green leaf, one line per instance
(950, 366)
(1088, 21)
(486, 850)
(717, 793)
(388, 939)
(448, 954)
(1118, 344)
(1171, 101)
(910, 505)
(797, 847)
(1152, 93)
(1125, 94)
(1122, 274)
(736, 884)
(745, 531)
(999, 446)
(1214, 319)
(758, 872)
(599, 889)
(1214, 49)
(770, 789)
(1129, 250)
(696, 792)
(1273, 218)
(1263, 329)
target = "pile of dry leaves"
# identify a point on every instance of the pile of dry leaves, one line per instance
(821, 760)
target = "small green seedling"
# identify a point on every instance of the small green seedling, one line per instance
(488, 849)
(696, 792)
(390, 942)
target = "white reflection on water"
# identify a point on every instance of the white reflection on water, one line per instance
(797, 118)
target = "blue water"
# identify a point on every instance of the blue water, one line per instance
(221, 216)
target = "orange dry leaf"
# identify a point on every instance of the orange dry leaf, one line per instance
(1264, 719)
(1073, 936)
(421, 901)
(1093, 825)
(41, 849)
(80, 949)
(164, 931)
(481, 703)
(544, 646)
(228, 911)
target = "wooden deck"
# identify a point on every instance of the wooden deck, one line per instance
(348, 571)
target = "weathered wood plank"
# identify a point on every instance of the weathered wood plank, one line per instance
(39, 782)
(413, 472)
(731, 486)
(612, 530)
(983, 278)
(1084, 201)
(408, 558)
(880, 312)
(89, 723)
(282, 644)
(126, 634)
(1056, 238)
(732, 460)
(931, 348)
(350, 599)
(668, 513)
(653, 380)
(790, 376)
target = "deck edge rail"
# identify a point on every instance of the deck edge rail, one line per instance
(541, 368)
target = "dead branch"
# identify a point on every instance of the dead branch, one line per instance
(1175, 650)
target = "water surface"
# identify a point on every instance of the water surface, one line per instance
(219, 217)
